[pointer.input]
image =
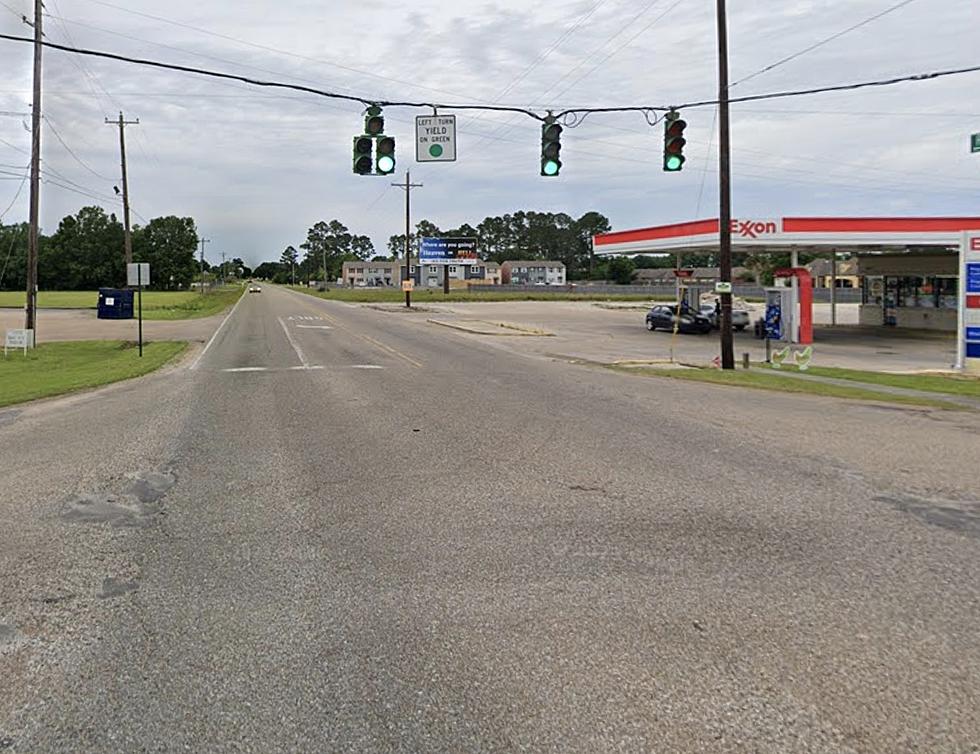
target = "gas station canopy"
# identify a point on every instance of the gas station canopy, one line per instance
(799, 234)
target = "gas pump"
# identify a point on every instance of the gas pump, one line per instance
(789, 306)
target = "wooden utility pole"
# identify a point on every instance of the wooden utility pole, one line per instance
(125, 181)
(33, 232)
(203, 241)
(408, 186)
(725, 192)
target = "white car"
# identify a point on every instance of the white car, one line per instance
(254, 289)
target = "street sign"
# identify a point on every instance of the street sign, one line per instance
(975, 143)
(448, 251)
(723, 287)
(138, 273)
(23, 339)
(435, 138)
(408, 286)
(683, 273)
(968, 325)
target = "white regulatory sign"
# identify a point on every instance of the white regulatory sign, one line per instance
(435, 138)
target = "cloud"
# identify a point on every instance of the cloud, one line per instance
(256, 167)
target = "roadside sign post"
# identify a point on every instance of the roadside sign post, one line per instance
(22, 339)
(138, 274)
(975, 143)
(435, 138)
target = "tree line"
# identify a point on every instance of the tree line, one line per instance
(86, 252)
(520, 235)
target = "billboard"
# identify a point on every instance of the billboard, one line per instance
(448, 250)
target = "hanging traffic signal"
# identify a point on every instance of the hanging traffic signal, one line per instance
(363, 165)
(384, 159)
(550, 147)
(674, 142)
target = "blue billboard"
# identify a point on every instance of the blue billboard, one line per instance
(445, 250)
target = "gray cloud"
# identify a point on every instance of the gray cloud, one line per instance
(257, 167)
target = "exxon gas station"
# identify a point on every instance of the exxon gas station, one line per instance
(915, 272)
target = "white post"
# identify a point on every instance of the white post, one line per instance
(833, 288)
(961, 306)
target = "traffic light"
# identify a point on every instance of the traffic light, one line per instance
(550, 147)
(674, 142)
(384, 158)
(363, 164)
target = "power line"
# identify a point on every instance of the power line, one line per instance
(578, 111)
(822, 42)
(23, 180)
(13, 10)
(78, 159)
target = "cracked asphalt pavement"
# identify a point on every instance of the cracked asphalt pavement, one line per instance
(344, 529)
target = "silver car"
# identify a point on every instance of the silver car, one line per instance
(740, 317)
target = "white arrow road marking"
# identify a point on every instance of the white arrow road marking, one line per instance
(314, 327)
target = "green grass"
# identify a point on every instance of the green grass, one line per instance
(64, 367)
(929, 383)
(428, 295)
(763, 380)
(156, 304)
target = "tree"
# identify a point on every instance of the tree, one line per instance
(274, 271)
(169, 245)
(331, 244)
(621, 270)
(396, 244)
(288, 261)
(13, 257)
(86, 252)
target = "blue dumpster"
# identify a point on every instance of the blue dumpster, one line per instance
(115, 303)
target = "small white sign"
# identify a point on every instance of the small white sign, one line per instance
(137, 273)
(110, 301)
(722, 287)
(22, 339)
(435, 138)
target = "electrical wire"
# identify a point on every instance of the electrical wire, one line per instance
(493, 108)
(12, 10)
(78, 159)
(23, 180)
(822, 42)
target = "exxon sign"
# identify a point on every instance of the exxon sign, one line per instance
(754, 228)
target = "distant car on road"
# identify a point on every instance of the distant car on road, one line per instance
(662, 317)
(740, 317)
(253, 288)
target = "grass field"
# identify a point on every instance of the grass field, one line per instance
(427, 295)
(764, 380)
(156, 304)
(929, 383)
(58, 368)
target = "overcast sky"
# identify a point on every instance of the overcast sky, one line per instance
(256, 167)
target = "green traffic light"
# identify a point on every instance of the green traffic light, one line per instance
(673, 162)
(386, 164)
(550, 167)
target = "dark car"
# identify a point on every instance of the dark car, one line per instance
(662, 317)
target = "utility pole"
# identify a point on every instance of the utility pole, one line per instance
(725, 192)
(32, 236)
(125, 181)
(408, 186)
(223, 268)
(203, 241)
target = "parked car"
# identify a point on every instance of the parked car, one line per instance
(663, 316)
(740, 317)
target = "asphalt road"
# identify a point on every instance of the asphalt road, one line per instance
(345, 529)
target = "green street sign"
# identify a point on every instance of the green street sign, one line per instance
(975, 143)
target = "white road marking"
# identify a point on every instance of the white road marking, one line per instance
(365, 366)
(315, 327)
(272, 369)
(201, 354)
(293, 343)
